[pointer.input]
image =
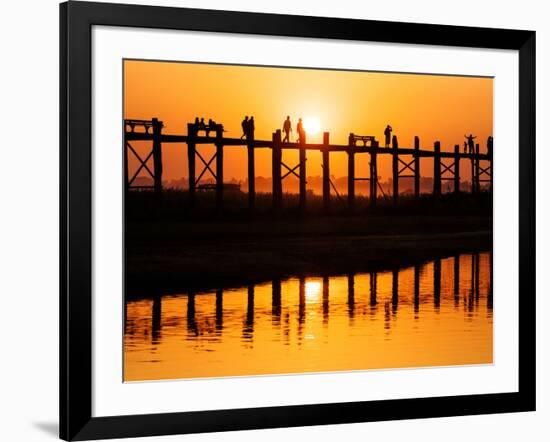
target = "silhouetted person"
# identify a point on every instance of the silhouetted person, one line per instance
(470, 138)
(301, 132)
(465, 147)
(251, 128)
(210, 126)
(244, 125)
(387, 133)
(287, 128)
(196, 122)
(490, 146)
(202, 126)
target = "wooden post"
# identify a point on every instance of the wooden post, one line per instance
(351, 172)
(302, 175)
(326, 172)
(490, 157)
(373, 176)
(477, 167)
(157, 156)
(416, 167)
(191, 146)
(276, 170)
(472, 161)
(437, 169)
(395, 169)
(457, 168)
(126, 178)
(251, 171)
(219, 167)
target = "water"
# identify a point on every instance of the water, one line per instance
(413, 317)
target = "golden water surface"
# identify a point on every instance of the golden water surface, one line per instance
(435, 314)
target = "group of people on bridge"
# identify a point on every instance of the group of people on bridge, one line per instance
(248, 128)
(469, 146)
(201, 125)
(287, 128)
(248, 131)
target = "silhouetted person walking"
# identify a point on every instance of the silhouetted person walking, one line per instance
(301, 132)
(251, 128)
(244, 125)
(470, 138)
(490, 146)
(387, 133)
(287, 128)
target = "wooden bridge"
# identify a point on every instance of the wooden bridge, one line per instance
(406, 162)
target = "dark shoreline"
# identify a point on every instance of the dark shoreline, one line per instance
(173, 258)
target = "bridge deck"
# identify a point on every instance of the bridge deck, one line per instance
(258, 144)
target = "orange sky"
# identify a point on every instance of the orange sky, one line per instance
(433, 107)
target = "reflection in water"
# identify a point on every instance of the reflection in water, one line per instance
(402, 318)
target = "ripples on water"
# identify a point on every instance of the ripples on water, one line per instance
(439, 313)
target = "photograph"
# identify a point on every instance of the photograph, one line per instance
(283, 220)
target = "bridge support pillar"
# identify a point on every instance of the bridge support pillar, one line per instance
(416, 167)
(219, 167)
(191, 146)
(351, 172)
(276, 153)
(395, 169)
(326, 172)
(437, 169)
(457, 169)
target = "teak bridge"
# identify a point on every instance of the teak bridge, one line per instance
(405, 162)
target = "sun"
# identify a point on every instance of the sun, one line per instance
(312, 125)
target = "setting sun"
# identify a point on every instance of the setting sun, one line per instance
(312, 125)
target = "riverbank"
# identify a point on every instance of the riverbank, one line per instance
(173, 257)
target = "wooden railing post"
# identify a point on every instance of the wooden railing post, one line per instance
(219, 167)
(191, 146)
(326, 172)
(437, 169)
(395, 169)
(351, 172)
(416, 167)
(157, 156)
(457, 169)
(276, 170)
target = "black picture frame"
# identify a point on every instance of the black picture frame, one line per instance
(76, 21)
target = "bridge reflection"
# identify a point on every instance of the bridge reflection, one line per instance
(324, 298)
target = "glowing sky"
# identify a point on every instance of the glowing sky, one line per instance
(433, 107)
